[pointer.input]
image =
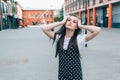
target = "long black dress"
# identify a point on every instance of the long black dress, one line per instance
(69, 65)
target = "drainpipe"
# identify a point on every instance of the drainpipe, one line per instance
(13, 11)
(1, 15)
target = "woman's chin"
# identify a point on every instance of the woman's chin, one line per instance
(70, 28)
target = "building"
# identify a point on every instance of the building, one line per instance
(104, 13)
(18, 15)
(37, 16)
(10, 14)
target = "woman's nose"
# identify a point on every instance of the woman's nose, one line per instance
(71, 21)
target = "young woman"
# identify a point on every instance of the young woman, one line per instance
(69, 41)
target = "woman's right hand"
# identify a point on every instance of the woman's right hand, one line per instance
(65, 19)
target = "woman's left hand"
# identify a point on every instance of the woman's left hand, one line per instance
(79, 24)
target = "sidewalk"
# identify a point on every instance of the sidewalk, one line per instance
(28, 54)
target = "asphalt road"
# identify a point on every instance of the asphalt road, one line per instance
(28, 54)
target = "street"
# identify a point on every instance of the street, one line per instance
(28, 54)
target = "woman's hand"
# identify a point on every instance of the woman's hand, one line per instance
(94, 30)
(65, 19)
(79, 24)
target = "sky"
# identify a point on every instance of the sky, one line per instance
(41, 4)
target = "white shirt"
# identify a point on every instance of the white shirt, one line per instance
(80, 41)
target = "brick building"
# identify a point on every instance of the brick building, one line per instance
(37, 17)
(99, 12)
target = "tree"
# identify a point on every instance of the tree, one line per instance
(57, 18)
(61, 15)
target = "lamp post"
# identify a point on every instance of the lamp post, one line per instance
(86, 18)
(0, 15)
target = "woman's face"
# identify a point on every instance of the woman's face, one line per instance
(72, 23)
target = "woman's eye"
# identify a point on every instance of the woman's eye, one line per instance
(69, 19)
(74, 21)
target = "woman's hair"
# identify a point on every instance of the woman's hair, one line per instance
(72, 42)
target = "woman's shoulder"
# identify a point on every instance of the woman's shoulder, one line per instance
(81, 40)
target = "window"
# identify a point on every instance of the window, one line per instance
(33, 15)
(100, 1)
(51, 16)
(88, 2)
(78, 4)
(74, 4)
(47, 22)
(69, 1)
(44, 15)
(47, 15)
(83, 3)
(93, 2)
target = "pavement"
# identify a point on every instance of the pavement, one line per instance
(28, 54)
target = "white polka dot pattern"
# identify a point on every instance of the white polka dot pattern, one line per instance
(69, 65)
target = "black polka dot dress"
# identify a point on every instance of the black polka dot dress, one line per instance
(69, 65)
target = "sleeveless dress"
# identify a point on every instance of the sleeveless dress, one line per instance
(69, 65)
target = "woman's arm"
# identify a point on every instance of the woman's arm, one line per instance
(94, 31)
(47, 28)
